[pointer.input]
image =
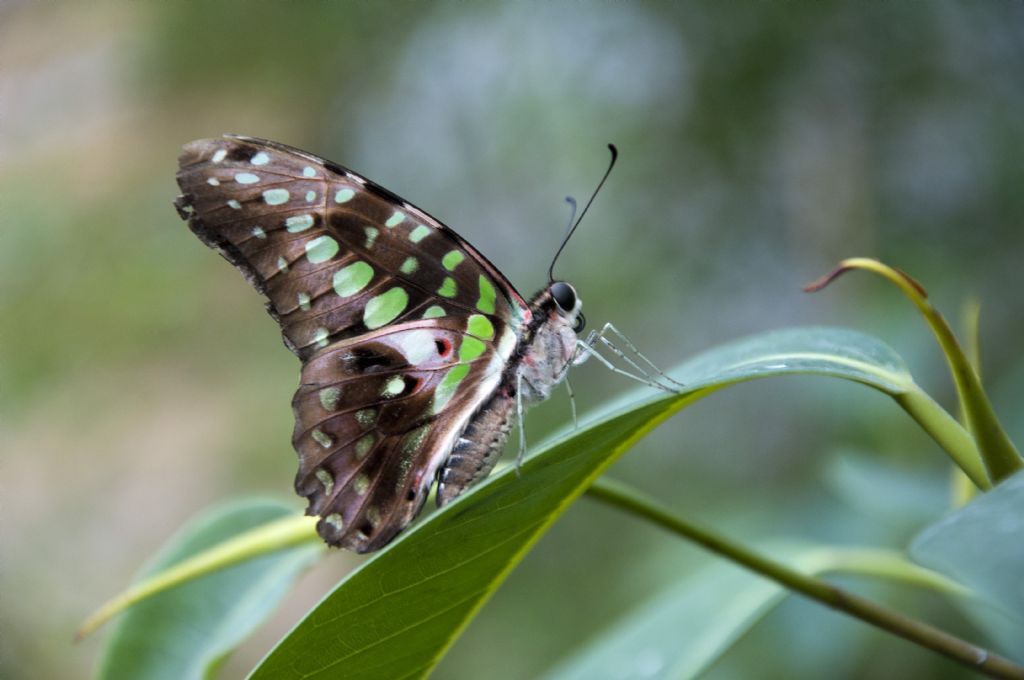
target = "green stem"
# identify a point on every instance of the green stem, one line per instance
(886, 564)
(961, 489)
(998, 453)
(948, 433)
(277, 535)
(920, 633)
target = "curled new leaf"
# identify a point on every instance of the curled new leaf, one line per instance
(997, 451)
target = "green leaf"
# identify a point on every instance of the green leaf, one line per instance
(982, 545)
(836, 352)
(187, 631)
(680, 632)
(686, 628)
(397, 615)
(873, 487)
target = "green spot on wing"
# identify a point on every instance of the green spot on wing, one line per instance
(412, 441)
(351, 279)
(366, 417)
(363, 446)
(448, 288)
(394, 386)
(410, 265)
(433, 312)
(480, 326)
(321, 249)
(371, 236)
(452, 259)
(396, 218)
(385, 308)
(419, 233)
(470, 349)
(329, 397)
(344, 195)
(361, 484)
(298, 223)
(322, 439)
(446, 389)
(486, 302)
(326, 479)
(275, 196)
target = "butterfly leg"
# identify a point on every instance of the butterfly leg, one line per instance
(522, 424)
(585, 351)
(572, 399)
(611, 329)
(589, 347)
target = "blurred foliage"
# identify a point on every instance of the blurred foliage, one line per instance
(761, 142)
(188, 632)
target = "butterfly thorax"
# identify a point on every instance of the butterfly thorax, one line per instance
(548, 346)
(546, 349)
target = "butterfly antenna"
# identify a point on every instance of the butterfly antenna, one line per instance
(572, 229)
(572, 216)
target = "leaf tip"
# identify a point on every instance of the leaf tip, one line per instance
(82, 633)
(821, 282)
(892, 273)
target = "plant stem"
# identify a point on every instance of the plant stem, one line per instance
(946, 432)
(961, 488)
(970, 655)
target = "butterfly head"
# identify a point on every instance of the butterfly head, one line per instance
(567, 304)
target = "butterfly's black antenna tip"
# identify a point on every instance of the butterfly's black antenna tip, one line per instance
(572, 202)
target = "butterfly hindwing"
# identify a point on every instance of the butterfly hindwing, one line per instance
(404, 330)
(376, 417)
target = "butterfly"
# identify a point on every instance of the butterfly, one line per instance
(417, 354)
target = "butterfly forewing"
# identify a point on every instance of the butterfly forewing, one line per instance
(403, 328)
(322, 243)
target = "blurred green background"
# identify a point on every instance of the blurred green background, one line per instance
(140, 379)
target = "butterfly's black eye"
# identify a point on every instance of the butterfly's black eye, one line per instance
(564, 295)
(581, 323)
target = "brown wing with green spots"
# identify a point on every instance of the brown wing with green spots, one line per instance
(376, 416)
(336, 254)
(403, 328)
